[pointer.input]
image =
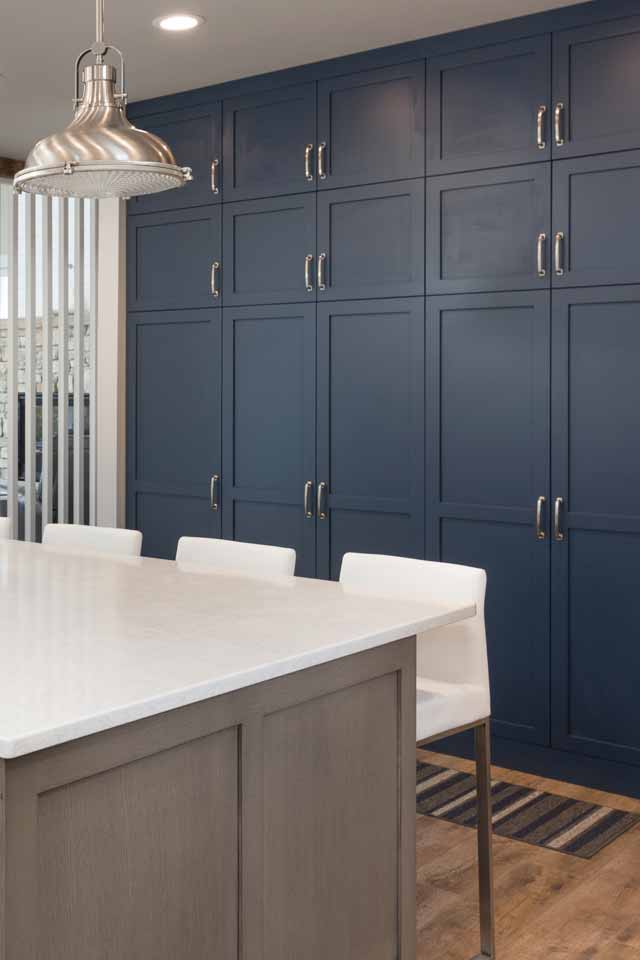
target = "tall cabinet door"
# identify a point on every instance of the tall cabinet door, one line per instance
(596, 547)
(487, 417)
(370, 430)
(269, 428)
(174, 437)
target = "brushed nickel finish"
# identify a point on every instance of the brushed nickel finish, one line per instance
(541, 255)
(213, 492)
(540, 125)
(308, 499)
(558, 122)
(321, 262)
(322, 501)
(308, 151)
(215, 165)
(559, 253)
(322, 157)
(558, 533)
(540, 531)
(308, 282)
(215, 272)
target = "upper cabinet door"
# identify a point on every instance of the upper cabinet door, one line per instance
(195, 136)
(269, 143)
(371, 126)
(489, 230)
(596, 74)
(596, 211)
(489, 107)
(371, 241)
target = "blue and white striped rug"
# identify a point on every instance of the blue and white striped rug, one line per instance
(543, 819)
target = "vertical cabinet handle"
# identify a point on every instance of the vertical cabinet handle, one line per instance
(215, 271)
(541, 255)
(213, 492)
(322, 501)
(322, 160)
(558, 124)
(540, 531)
(215, 164)
(308, 282)
(559, 253)
(557, 528)
(308, 499)
(321, 278)
(308, 151)
(540, 125)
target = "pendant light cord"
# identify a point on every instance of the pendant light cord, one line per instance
(99, 24)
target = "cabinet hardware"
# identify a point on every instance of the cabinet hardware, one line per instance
(557, 529)
(558, 122)
(541, 255)
(213, 492)
(321, 280)
(540, 531)
(215, 163)
(215, 270)
(559, 254)
(308, 282)
(322, 157)
(308, 150)
(540, 124)
(322, 501)
(308, 500)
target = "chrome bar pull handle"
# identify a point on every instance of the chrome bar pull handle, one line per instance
(540, 125)
(321, 278)
(541, 255)
(322, 501)
(557, 528)
(558, 124)
(308, 499)
(558, 255)
(215, 270)
(308, 282)
(540, 531)
(213, 492)
(215, 164)
(322, 160)
(308, 151)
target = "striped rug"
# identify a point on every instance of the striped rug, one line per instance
(557, 823)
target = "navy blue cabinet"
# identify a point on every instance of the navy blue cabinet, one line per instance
(596, 71)
(489, 107)
(371, 126)
(174, 259)
(489, 230)
(269, 142)
(371, 241)
(596, 547)
(370, 430)
(488, 427)
(174, 379)
(269, 428)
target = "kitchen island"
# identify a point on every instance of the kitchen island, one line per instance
(198, 765)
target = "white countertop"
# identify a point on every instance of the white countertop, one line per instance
(89, 643)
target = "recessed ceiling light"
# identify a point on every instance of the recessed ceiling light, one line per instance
(177, 22)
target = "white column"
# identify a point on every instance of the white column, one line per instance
(12, 373)
(63, 360)
(29, 254)
(47, 356)
(78, 362)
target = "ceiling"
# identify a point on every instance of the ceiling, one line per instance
(39, 40)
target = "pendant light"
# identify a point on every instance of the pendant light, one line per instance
(100, 154)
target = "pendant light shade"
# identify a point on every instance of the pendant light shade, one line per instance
(100, 154)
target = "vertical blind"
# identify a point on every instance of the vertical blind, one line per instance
(48, 309)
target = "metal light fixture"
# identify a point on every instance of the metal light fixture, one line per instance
(100, 154)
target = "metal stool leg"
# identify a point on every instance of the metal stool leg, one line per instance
(485, 835)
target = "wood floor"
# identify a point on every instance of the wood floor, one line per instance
(550, 906)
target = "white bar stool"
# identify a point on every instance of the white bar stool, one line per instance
(231, 555)
(77, 538)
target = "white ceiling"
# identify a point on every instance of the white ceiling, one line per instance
(39, 40)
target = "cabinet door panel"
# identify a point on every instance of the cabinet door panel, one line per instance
(265, 136)
(483, 230)
(596, 205)
(596, 73)
(373, 125)
(265, 245)
(195, 136)
(373, 238)
(170, 257)
(482, 106)
(269, 427)
(596, 470)
(174, 438)
(371, 429)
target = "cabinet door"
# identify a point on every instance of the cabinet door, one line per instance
(269, 428)
(372, 241)
(370, 430)
(174, 383)
(371, 126)
(487, 424)
(596, 72)
(489, 107)
(195, 136)
(266, 245)
(265, 139)
(171, 257)
(489, 231)
(596, 211)
(596, 470)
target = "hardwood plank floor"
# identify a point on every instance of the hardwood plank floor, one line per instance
(550, 906)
